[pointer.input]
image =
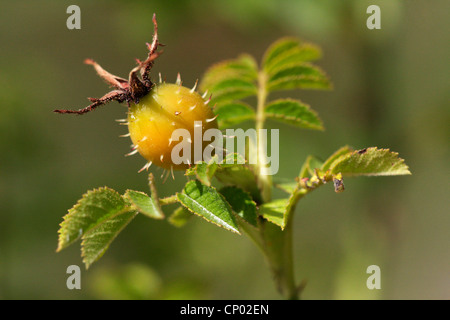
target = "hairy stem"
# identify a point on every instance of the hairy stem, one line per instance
(276, 244)
(264, 179)
(168, 200)
(279, 255)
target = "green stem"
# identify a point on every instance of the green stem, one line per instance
(279, 255)
(276, 244)
(168, 200)
(264, 179)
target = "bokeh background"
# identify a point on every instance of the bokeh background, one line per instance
(391, 89)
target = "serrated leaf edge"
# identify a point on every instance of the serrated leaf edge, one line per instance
(277, 116)
(250, 198)
(70, 213)
(387, 150)
(229, 227)
(102, 252)
(133, 206)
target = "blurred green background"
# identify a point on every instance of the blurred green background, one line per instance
(391, 89)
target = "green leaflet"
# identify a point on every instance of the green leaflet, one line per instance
(91, 210)
(298, 75)
(230, 83)
(308, 167)
(144, 204)
(97, 239)
(314, 173)
(208, 203)
(233, 113)
(180, 217)
(284, 66)
(307, 52)
(232, 93)
(275, 211)
(243, 67)
(286, 185)
(299, 82)
(288, 49)
(279, 47)
(228, 89)
(232, 159)
(239, 175)
(279, 211)
(344, 150)
(231, 79)
(99, 216)
(369, 162)
(296, 69)
(205, 171)
(293, 112)
(241, 203)
(232, 171)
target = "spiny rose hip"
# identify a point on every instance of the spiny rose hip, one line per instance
(155, 111)
(166, 108)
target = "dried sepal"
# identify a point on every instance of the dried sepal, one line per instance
(131, 90)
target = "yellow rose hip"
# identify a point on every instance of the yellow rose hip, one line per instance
(155, 111)
(166, 108)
